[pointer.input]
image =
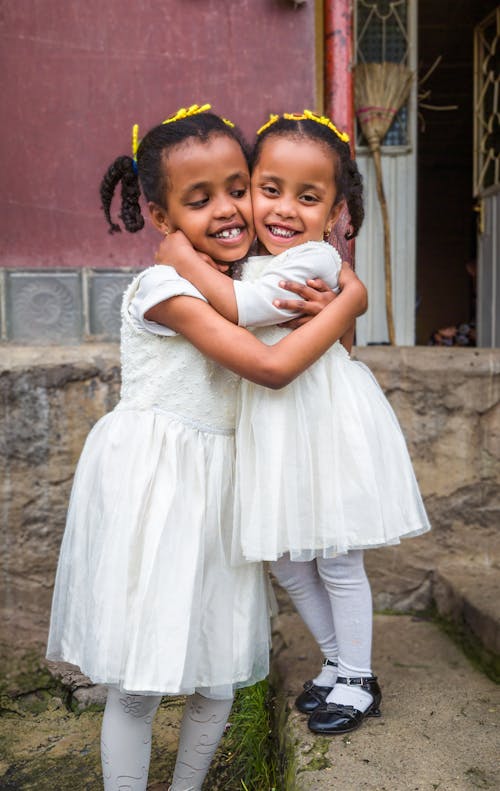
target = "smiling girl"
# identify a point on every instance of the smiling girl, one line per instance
(322, 468)
(145, 600)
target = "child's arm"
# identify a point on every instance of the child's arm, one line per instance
(177, 251)
(258, 303)
(347, 338)
(240, 351)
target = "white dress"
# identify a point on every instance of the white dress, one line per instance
(145, 596)
(322, 465)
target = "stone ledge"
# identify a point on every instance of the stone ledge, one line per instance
(395, 358)
(468, 594)
(15, 358)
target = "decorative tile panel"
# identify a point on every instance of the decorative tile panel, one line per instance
(44, 307)
(105, 294)
(3, 316)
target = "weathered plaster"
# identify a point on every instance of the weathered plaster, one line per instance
(447, 401)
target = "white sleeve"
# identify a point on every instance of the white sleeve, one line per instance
(155, 285)
(301, 263)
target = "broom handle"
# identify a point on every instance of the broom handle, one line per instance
(375, 149)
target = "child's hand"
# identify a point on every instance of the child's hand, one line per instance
(314, 296)
(173, 249)
(176, 250)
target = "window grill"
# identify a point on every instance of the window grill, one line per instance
(486, 105)
(382, 35)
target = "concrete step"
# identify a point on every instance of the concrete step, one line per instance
(440, 723)
(468, 594)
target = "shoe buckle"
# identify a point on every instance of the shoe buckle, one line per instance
(358, 681)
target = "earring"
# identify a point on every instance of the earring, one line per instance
(327, 233)
(166, 232)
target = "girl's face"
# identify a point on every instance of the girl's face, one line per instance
(208, 198)
(293, 192)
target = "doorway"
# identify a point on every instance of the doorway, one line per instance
(446, 220)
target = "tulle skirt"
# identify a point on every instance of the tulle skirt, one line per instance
(322, 467)
(145, 596)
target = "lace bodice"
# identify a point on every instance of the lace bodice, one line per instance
(168, 373)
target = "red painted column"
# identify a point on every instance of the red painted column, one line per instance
(339, 99)
(338, 60)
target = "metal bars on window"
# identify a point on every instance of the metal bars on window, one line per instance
(486, 105)
(382, 34)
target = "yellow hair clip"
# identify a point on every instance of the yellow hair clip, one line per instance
(185, 112)
(135, 141)
(320, 119)
(135, 146)
(272, 120)
(228, 122)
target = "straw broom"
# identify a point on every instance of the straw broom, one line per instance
(380, 90)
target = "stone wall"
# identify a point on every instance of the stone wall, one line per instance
(448, 402)
(50, 398)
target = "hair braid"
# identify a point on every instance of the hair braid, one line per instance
(353, 193)
(122, 169)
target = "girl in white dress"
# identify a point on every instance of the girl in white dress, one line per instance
(146, 600)
(322, 469)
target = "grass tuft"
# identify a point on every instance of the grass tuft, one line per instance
(250, 743)
(256, 753)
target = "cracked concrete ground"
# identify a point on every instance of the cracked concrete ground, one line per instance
(440, 724)
(439, 730)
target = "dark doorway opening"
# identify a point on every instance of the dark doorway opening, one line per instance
(446, 221)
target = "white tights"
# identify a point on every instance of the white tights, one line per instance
(333, 597)
(126, 740)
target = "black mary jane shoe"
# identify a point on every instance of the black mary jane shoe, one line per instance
(312, 698)
(313, 695)
(332, 718)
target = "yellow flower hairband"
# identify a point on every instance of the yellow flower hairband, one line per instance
(184, 112)
(309, 116)
(195, 109)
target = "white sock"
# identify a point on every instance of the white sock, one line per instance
(126, 740)
(202, 727)
(350, 695)
(328, 675)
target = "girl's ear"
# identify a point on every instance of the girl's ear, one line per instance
(159, 218)
(334, 215)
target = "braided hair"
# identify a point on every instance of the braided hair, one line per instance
(348, 179)
(149, 172)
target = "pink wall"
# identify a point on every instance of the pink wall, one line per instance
(78, 75)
